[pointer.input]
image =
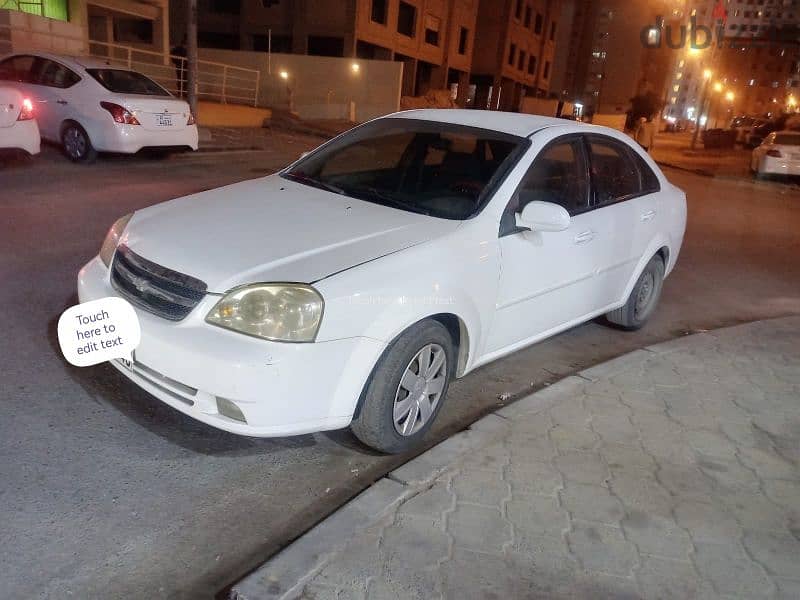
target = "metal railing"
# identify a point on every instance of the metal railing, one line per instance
(216, 82)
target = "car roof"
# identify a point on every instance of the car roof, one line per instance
(519, 124)
(72, 61)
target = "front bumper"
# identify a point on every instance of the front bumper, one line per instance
(22, 135)
(129, 139)
(281, 388)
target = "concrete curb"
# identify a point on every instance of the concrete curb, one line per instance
(285, 574)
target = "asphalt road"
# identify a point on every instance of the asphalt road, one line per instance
(107, 493)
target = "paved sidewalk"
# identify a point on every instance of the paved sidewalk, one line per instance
(671, 472)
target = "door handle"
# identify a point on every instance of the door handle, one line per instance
(60, 101)
(584, 237)
(648, 216)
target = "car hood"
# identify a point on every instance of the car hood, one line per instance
(272, 229)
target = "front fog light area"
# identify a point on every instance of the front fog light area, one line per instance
(279, 312)
(228, 409)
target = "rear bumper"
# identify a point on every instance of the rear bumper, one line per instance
(22, 135)
(779, 166)
(129, 139)
(280, 388)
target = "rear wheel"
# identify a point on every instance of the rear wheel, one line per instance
(407, 389)
(77, 145)
(643, 299)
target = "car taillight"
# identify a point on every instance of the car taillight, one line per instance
(774, 153)
(191, 120)
(120, 114)
(26, 113)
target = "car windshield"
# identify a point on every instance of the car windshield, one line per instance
(127, 82)
(788, 139)
(438, 169)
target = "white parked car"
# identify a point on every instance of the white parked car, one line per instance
(18, 129)
(89, 106)
(351, 287)
(779, 154)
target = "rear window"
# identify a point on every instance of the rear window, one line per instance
(787, 139)
(127, 82)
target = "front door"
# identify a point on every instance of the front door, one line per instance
(547, 278)
(50, 85)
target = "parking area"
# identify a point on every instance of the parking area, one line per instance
(110, 493)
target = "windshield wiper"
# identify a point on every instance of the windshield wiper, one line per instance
(308, 180)
(384, 198)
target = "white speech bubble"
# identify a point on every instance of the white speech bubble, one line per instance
(99, 330)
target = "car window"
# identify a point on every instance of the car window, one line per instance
(52, 74)
(381, 152)
(649, 180)
(559, 175)
(434, 168)
(16, 68)
(614, 175)
(121, 81)
(787, 139)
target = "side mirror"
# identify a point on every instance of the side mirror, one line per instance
(543, 216)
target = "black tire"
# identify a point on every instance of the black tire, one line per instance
(374, 423)
(76, 144)
(637, 310)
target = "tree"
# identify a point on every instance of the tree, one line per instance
(646, 105)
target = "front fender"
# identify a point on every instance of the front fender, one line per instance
(455, 275)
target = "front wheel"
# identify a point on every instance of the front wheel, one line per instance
(643, 299)
(77, 145)
(406, 389)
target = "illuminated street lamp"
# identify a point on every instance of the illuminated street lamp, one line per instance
(355, 67)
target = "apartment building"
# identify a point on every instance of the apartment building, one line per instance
(754, 54)
(433, 39)
(606, 61)
(515, 52)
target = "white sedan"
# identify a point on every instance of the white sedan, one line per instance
(90, 106)
(351, 287)
(18, 129)
(778, 155)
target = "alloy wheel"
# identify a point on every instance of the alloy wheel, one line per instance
(645, 296)
(75, 143)
(420, 390)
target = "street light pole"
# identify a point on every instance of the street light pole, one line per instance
(191, 54)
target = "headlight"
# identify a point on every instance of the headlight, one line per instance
(112, 239)
(286, 312)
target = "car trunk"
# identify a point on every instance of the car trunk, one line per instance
(158, 113)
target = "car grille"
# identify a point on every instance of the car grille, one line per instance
(154, 288)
